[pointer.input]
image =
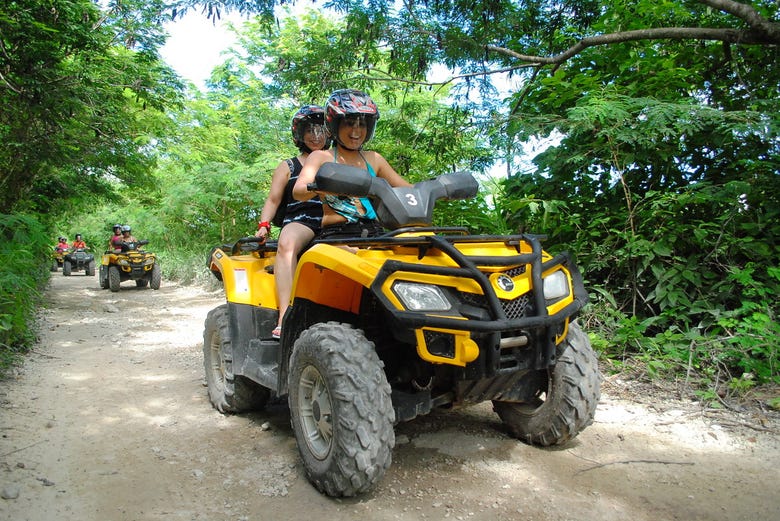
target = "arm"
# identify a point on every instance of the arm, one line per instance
(383, 169)
(313, 163)
(275, 195)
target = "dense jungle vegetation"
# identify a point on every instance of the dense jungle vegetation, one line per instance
(660, 170)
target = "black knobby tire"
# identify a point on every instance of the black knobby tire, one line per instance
(156, 278)
(54, 266)
(568, 404)
(90, 272)
(340, 408)
(66, 268)
(114, 278)
(227, 392)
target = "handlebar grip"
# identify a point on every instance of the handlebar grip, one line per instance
(311, 187)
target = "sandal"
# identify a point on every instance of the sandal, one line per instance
(276, 332)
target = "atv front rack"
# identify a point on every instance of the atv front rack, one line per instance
(495, 319)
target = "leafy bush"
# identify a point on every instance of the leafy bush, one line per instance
(25, 254)
(187, 267)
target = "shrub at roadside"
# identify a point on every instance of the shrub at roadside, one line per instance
(25, 250)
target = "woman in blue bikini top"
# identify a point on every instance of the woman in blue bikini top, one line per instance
(350, 117)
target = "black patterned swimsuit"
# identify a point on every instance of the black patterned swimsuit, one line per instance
(308, 213)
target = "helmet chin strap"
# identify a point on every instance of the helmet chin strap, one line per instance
(358, 149)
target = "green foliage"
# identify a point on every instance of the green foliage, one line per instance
(187, 266)
(77, 110)
(25, 254)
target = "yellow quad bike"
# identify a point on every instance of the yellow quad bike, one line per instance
(130, 262)
(57, 259)
(384, 329)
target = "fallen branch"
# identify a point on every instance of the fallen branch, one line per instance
(45, 355)
(737, 423)
(627, 462)
(21, 449)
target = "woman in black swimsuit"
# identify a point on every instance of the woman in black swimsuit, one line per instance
(302, 219)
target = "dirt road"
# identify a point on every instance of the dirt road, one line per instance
(108, 420)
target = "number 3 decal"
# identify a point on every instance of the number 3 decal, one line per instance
(411, 200)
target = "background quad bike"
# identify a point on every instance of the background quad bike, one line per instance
(111, 276)
(56, 260)
(78, 260)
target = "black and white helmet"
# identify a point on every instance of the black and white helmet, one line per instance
(304, 118)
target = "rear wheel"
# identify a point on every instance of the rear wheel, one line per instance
(114, 278)
(141, 283)
(567, 405)
(66, 268)
(227, 392)
(156, 279)
(340, 409)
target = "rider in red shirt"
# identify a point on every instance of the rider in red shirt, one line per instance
(117, 233)
(62, 246)
(78, 242)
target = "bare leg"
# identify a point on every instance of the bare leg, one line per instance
(292, 239)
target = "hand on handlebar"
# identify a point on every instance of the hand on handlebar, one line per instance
(262, 233)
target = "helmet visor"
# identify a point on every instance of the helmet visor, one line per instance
(356, 121)
(316, 131)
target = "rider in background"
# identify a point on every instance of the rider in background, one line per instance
(126, 237)
(78, 242)
(62, 245)
(117, 233)
(302, 219)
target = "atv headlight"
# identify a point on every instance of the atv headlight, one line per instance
(556, 285)
(123, 262)
(148, 262)
(421, 297)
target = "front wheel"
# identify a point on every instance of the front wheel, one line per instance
(90, 270)
(340, 408)
(567, 405)
(114, 278)
(227, 391)
(54, 266)
(66, 268)
(156, 278)
(103, 276)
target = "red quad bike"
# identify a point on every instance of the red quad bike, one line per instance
(384, 329)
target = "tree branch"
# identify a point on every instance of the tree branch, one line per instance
(749, 15)
(749, 37)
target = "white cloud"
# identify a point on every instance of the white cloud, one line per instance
(196, 44)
